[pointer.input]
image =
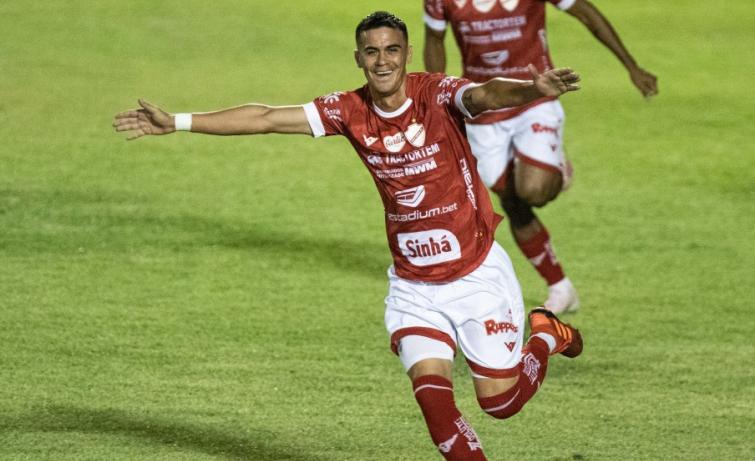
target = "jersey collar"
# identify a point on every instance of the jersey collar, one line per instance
(404, 107)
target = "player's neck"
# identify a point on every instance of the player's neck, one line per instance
(390, 102)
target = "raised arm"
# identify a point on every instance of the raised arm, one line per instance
(435, 50)
(247, 119)
(498, 93)
(594, 20)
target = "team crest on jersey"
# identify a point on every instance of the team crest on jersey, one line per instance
(483, 6)
(415, 134)
(495, 58)
(510, 5)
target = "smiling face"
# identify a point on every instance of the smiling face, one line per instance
(383, 54)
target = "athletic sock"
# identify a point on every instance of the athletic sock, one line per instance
(454, 437)
(532, 369)
(539, 251)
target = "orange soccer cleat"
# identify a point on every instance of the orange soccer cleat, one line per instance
(568, 339)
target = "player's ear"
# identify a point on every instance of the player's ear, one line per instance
(409, 53)
(356, 58)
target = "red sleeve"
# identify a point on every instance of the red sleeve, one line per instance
(326, 114)
(448, 91)
(435, 9)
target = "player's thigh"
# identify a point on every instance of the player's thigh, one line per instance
(489, 317)
(539, 152)
(417, 331)
(492, 147)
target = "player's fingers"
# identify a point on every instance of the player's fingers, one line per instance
(573, 87)
(152, 109)
(571, 78)
(135, 135)
(533, 71)
(562, 71)
(127, 126)
(127, 113)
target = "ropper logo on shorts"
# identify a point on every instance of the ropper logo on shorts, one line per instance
(493, 328)
(411, 197)
(429, 247)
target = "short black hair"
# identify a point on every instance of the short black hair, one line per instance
(381, 19)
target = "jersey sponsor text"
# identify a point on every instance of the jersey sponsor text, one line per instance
(429, 247)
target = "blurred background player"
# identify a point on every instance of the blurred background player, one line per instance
(519, 150)
(450, 283)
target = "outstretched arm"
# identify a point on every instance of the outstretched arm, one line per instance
(435, 50)
(589, 15)
(247, 119)
(498, 93)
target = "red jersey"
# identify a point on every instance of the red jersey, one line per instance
(497, 38)
(438, 216)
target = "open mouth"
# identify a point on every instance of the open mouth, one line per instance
(383, 73)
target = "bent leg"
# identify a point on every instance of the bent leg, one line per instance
(531, 235)
(504, 398)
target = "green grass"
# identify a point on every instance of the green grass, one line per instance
(200, 298)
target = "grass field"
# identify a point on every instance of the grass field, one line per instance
(200, 298)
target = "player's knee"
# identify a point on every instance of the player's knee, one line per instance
(536, 194)
(502, 411)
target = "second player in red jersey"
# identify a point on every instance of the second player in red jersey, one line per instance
(520, 150)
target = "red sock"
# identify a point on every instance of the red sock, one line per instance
(540, 253)
(532, 369)
(453, 436)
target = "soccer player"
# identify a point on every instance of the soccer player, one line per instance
(519, 150)
(450, 285)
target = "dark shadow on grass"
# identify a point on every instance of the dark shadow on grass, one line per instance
(114, 222)
(262, 445)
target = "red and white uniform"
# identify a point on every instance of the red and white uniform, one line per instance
(499, 38)
(450, 283)
(438, 215)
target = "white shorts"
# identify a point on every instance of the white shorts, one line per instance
(482, 313)
(534, 136)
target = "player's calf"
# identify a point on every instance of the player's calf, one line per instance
(454, 437)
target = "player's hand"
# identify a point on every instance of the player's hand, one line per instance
(554, 82)
(149, 119)
(646, 82)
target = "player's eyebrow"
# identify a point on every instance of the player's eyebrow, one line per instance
(376, 48)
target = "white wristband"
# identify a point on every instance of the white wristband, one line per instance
(183, 122)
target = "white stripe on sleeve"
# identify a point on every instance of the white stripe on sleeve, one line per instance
(439, 24)
(315, 122)
(458, 99)
(565, 4)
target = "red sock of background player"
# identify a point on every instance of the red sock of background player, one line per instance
(532, 370)
(540, 253)
(455, 439)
